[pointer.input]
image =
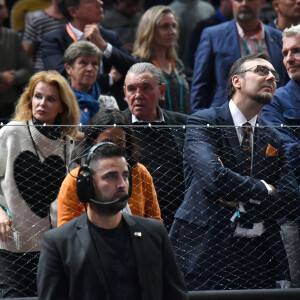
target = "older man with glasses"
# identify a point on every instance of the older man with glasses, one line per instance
(285, 109)
(238, 184)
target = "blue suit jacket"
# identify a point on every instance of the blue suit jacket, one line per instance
(55, 43)
(285, 109)
(218, 49)
(202, 230)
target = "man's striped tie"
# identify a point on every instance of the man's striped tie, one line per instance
(246, 147)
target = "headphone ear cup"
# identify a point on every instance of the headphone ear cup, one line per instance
(84, 185)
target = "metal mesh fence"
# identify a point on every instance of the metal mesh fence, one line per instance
(204, 188)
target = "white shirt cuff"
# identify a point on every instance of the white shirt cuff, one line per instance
(268, 187)
(111, 81)
(108, 51)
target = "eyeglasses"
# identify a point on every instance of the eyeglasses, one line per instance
(262, 71)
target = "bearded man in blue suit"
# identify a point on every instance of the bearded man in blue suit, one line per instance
(225, 234)
(221, 45)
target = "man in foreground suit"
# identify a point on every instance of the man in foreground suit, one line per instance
(103, 254)
(238, 184)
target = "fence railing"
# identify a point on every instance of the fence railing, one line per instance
(201, 185)
(287, 294)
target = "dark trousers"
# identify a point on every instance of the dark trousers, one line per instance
(18, 274)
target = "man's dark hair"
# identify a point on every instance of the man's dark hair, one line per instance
(107, 150)
(63, 6)
(237, 68)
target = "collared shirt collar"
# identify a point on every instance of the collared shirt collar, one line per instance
(276, 23)
(260, 31)
(77, 32)
(238, 117)
(161, 118)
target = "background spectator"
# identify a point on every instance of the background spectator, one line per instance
(188, 14)
(155, 42)
(285, 109)
(161, 148)
(221, 45)
(150, 3)
(32, 168)
(21, 8)
(82, 60)
(288, 14)
(83, 17)
(15, 68)
(143, 200)
(223, 14)
(124, 18)
(37, 24)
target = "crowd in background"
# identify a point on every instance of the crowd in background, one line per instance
(33, 20)
(85, 64)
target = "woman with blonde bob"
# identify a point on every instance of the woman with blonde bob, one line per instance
(155, 42)
(35, 151)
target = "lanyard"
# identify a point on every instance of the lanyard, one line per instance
(168, 87)
(260, 47)
(71, 33)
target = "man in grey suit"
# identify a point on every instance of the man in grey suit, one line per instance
(103, 253)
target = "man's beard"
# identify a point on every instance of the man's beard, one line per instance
(108, 209)
(262, 98)
(295, 77)
(245, 15)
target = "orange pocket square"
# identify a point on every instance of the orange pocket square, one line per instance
(271, 151)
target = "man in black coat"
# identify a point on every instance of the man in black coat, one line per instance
(103, 254)
(161, 145)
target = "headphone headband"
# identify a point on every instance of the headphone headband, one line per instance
(84, 186)
(93, 149)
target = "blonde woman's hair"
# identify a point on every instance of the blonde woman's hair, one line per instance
(71, 111)
(146, 32)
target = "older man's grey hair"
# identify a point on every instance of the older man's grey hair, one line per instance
(144, 67)
(81, 48)
(292, 31)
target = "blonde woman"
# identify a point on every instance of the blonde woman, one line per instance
(34, 155)
(155, 42)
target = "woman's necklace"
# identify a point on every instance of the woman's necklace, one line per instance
(168, 86)
(35, 148)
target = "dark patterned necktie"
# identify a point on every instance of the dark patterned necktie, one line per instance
(246, 147)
